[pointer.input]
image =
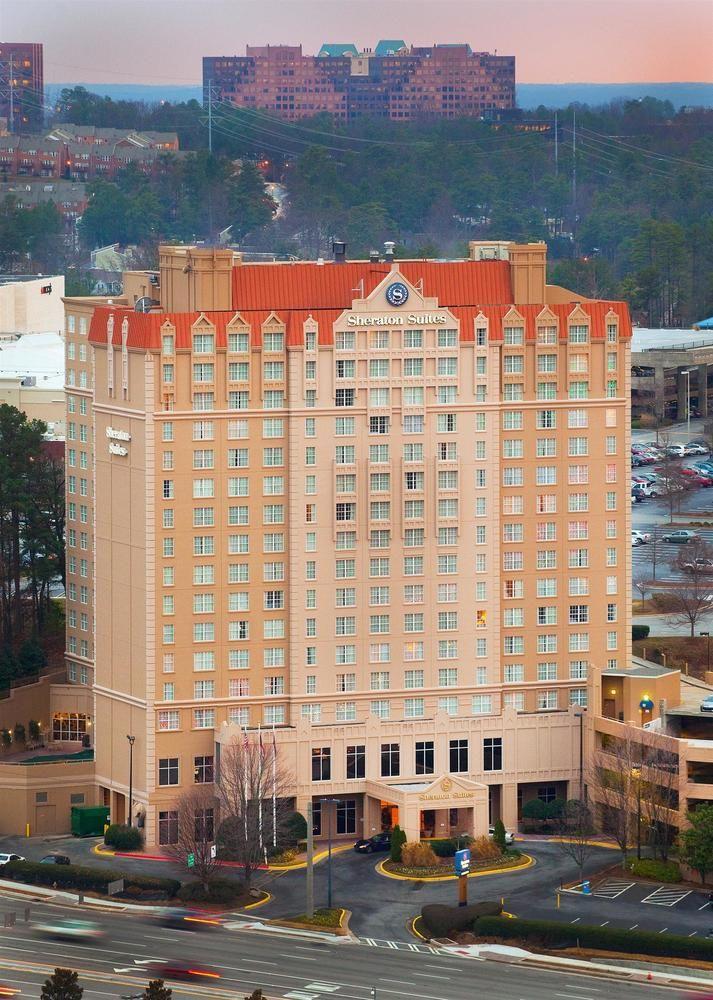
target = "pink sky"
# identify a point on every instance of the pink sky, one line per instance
(162, 41)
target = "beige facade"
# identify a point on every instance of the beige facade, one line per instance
(31, 305)
(380, 507)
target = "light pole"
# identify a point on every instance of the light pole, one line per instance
(132, 740)
(687, 373)
(329, 852)
(708, 658)
(580, 716)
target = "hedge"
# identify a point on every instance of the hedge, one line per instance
(440, 919)
(446, 847)
(124, 838)
(640, 632)
(660, 871)
(219, 890)
(552, 934)
(85, 879)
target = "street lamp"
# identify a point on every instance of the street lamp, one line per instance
(687, 373)
(132, 740)
(580, 716)
(708, 637)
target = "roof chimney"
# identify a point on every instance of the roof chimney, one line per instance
(389, 249)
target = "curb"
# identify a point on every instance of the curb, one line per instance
(104, 852)
(528, 862)
(259, 902)
(411, 926)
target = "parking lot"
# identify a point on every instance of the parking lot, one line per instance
(618, 902)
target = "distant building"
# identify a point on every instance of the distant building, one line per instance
(32, 378)
(70, 197)
(394, 81)
(78, 152)
(21, 85)
(30, 304)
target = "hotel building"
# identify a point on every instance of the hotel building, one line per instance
(381, 506)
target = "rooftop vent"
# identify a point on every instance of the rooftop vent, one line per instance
(389, 249)
(374, 256)
(339, 251)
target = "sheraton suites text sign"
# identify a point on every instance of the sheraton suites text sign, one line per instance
(410, 319)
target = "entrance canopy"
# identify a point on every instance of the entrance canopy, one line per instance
(445, 793)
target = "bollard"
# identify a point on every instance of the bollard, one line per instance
(27, 914)
(27, 829)
(558, 901)
(586, 888)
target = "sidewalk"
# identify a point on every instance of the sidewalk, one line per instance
(320, 855)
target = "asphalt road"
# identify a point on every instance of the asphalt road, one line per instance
(295, 969)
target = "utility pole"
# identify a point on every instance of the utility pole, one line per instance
(310, 861)
(557, 147)
(210, 116)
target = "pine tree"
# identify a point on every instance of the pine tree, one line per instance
(157, 991)
(499, 834)
(398, 839)
(62, 985)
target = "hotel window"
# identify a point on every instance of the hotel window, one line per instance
(514, 335)
(169, 692)
(273, 399)
(321, 763)
(168, 771)
(448, 704)
(273, 715)
(578, 642)
(238, 343)
(448, 677)
(611, 585)
(493, 753)
(481, 336)
(237, 400)
(612, 389)
(546, 475)
(514, 364)
(611, 556)
(546, 700)
(413, 423)
(513, 673)
(273, 342)
(458, 756)
(578, 696)
(546, 420)
(514, 645)
(204, 660)
(547, 335)
(513, 391)
(611, 500)
(482, 704)
(425, 757)
(414, 708)
(547, 643)
(579, 390)
(168, 720)
(612, 640)
(612, 333)
(345, 340)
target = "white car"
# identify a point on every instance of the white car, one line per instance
(509, 837)
(640, 537)
(675, 450)
(5, 858)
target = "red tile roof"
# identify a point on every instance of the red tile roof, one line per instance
(296, 292)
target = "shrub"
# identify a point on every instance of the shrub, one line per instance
(6, 737)
(639, 632)
(85, 879)
(441, 920)
(552, 934)
(484, 848)
(535, 809)
(33, 728)
(284, 857)
(417, 855)
(123, 838)
(19, 733)
(294, 829)
(398, 839)
(445, 847)
(220, 890)
(660, 871)
(499, 835)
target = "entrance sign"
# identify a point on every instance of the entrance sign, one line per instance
(462, 862)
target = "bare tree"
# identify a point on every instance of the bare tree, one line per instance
(253, 794)
(576, 828)
(196, 833)
(642, 584)
(689, 601)
(660, 802)
(654, 549)
(612, 785)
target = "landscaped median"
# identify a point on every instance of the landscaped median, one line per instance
(551, 935)
(330, 921)
(443, 870)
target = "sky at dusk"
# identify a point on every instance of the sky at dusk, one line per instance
(554, 41)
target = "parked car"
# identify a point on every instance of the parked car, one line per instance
(695, 448)
(705, 467)
(509, 836)
(4, 858)
(698, 479)
(681, 537)
(637, 461)
(55, 859)
(707, 704)
(646, 491)
(69, 929)
(640, 537)
(675, 450)
(379, 842)
(699, 565)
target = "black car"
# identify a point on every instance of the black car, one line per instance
(55, 859)
(380, 842)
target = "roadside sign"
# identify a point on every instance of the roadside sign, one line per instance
(213, 851)
(114, 887)
(191, 860)
(462, 862)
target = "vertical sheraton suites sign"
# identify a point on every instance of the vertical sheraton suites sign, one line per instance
(410, 319)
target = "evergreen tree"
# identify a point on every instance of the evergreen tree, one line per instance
(499, 834)
(157, 991)
(398, 839)
(697, 841)
(62, 985)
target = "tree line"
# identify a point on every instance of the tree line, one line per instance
(32, 521)
(625, 205)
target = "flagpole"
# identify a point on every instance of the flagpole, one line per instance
(274, 788)
(246, 745)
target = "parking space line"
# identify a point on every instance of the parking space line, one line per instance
(604, 924)
(576, 920)
(663, 930)
(612, 889)
(693, 933)
(708, 903)
(633, 927)
(665, 896)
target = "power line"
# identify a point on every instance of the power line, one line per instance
(613, 140)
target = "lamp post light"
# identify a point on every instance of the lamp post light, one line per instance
(580, 716)
(132, 740)
(708, 658)
(329, 850)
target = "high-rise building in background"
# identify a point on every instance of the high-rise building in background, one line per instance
(379, 506)
(394, 81)
(22, 86)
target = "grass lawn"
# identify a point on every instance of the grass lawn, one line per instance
(678, 650)
(322, 918)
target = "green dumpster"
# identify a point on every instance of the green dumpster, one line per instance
(89, 821)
